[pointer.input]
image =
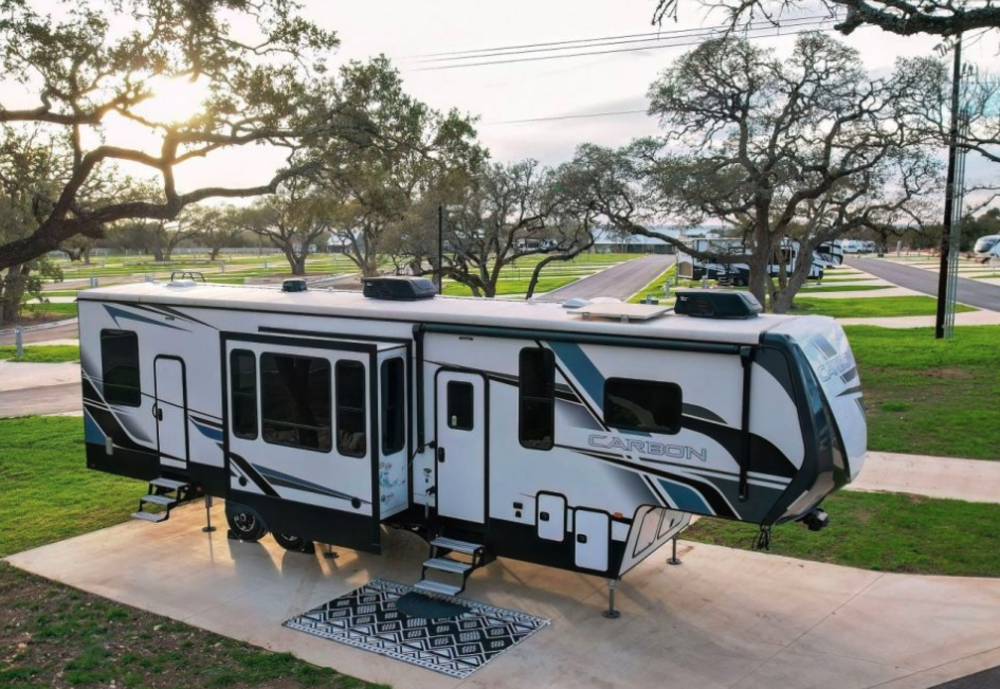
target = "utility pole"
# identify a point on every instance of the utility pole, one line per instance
(440, 248)
(950, 194)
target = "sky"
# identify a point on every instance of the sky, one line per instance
(504, 95)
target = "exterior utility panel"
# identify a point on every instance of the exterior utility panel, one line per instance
(525, 429)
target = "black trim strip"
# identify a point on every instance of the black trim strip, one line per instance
(746, 358)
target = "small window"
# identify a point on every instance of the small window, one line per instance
(537, 399)
(641, 405)
(120, 367)
(243, 393)
(393, 406)
(460, 405)
(295, 401)
(351, 438)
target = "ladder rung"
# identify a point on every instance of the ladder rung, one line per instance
(159, 500)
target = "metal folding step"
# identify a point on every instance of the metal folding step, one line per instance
(463, 547)
(446, 564)
(438, 587)
(165, 493)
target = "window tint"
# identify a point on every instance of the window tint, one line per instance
(243, 393)
(351, 438)
(536, 417)
(393, 406)
(295, 401)
(460, 405)
(120, 367)
(642, 405)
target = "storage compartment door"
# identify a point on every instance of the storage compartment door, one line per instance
(551, 517)
(593, 534)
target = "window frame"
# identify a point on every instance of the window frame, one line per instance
(338, 406)
(663, 430)
(472, 405)
(549, 362)
(398, 410)
(233, 353)
(107, 334)
(321, 449)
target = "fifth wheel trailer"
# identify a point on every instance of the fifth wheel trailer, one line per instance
(581, 439)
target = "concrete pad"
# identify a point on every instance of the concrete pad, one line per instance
(973, 480)
(53, 343)
(47, 399)
(725, 619)
(16, 375)
(981, 317)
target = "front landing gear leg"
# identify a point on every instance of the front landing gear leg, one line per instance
(329, 554)
(611, 613)
(673, 559)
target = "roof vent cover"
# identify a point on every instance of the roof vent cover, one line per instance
(717, 303)
(294, 285)
(399, 288)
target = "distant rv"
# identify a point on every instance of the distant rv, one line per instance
(987, 247)
(738, 273)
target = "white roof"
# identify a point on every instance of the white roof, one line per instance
(450, 310)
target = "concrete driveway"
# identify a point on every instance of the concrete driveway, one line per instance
(620, 281)
(39, 388)
(971, 292)
(725, 619)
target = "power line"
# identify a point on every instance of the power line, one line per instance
(700, 39)
(568, 117)
(593, 42)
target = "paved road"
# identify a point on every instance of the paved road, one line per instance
(42, 334)
(621, 281)
(988, 679)
(971, 292)
(48, 399)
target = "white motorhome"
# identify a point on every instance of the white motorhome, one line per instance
(829, 254)
(581, 438)
(738, 274)
(987, 247)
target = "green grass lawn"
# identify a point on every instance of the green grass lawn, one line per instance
(842, 288)
(42, 354)
(847, 278)
(509, 287)
(42, 310)
(655, 287)
(870, 307)
(888, 532)
(56, 636)
(927, 396)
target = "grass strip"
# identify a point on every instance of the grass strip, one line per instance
(871, 307)
(887, 532)
(41, 354)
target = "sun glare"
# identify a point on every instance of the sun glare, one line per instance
(174, 100)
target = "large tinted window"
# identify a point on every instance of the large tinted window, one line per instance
(536, 417)
(461, 410)
(295, 401)
(642, 405)
(243, 389)
(351, 438)
(120, 367)
(393, 406)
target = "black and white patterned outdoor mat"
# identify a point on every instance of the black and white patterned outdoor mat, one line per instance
(368, 618)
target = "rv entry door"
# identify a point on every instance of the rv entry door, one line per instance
(461, 446)
(170, 410)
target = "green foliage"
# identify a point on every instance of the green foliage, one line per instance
(871, 307)
(888, 532)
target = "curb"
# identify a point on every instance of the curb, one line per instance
(43, 326)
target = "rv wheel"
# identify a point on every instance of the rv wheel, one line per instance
(244, 523)
(294, 543)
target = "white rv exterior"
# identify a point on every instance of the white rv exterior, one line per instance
(739, 273)
(522, 428)
(987, 247)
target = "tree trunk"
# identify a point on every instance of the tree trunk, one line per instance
(86, 256)
(14, 284)
(214, 253)
(157, 254)
(296, 262)
(759, 279)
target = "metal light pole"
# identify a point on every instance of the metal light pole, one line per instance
(440, 249)
(949, 197)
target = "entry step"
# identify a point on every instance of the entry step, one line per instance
(458, 546)
(167, 483)
(428, 586)
(444, 564)
(150, 516)
(159, 500)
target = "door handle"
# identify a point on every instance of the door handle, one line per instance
(440, 454)
(157, 412)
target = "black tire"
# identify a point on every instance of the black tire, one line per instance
(295, 544)
(244, 523)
